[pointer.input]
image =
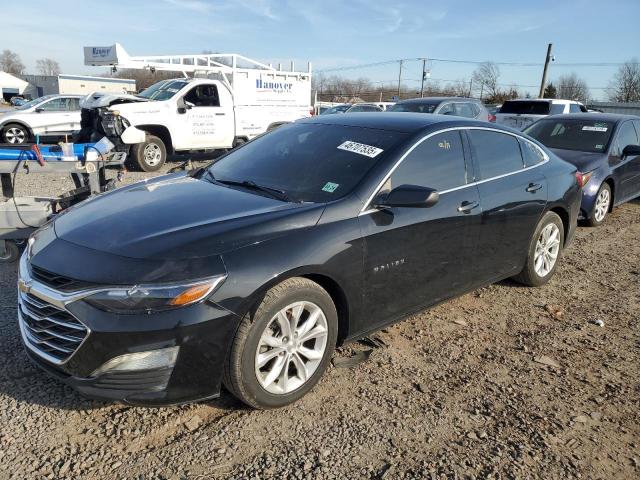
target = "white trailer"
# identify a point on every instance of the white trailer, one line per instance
(228, 100)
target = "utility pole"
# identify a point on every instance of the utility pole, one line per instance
(544, 72)
(424, 74)
(399, 78)
(470, 87)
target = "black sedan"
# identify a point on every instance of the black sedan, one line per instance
(249, 272)
(606, 150)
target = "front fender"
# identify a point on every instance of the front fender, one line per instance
(133, 135)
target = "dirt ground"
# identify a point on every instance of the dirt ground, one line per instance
(505, 382)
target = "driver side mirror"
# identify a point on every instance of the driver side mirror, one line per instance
(184, 105)
(631, 151)
(408, 196)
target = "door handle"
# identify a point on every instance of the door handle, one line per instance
(533, 187)
(466, 207)
(220, 114)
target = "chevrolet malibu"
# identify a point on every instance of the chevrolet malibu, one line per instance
(249, 272)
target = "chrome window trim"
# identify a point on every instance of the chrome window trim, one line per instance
(367, 209)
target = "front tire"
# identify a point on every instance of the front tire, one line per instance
(10, 252)
(15, 134)
(601, 206)
(150, 155)
(280, 352)
(545, 249)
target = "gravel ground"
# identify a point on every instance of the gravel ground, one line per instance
(505, 382)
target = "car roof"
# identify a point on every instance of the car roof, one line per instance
(405, 122)
(548, 100)
(604, 117)
(436, 99)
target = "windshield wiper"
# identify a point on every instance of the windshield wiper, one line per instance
(250, 184)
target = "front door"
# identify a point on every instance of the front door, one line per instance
(513, 194)
(205, 118)
(628, 170)
(415, 257)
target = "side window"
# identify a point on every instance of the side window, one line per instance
(203, 96)
(74, 104)
(438, 163)
(556, 108)
(531, 154)
(55, 105)
(574, 108)
(626, 136)
(464, 110)
(496, 153)
(447, 109)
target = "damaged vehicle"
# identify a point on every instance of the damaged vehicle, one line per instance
(254, 272)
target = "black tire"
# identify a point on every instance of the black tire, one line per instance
(240, 376)
(11, 252)
(528, 276)
(151, 155)
(238, 142)
(592, 221)
(15, 134)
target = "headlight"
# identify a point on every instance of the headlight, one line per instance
(153, 298)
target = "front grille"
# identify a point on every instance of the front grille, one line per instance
(58, 282)
(50, 330)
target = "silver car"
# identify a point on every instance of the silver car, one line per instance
(458, 106)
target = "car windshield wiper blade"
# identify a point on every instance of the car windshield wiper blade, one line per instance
(250, 184)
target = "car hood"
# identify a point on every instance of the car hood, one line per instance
(584, 161)
(179, 217)
(101, 99)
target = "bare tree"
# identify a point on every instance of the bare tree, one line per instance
(10, 62)
(47, 66)
(626, 83)
(572, 87)
(485, 77)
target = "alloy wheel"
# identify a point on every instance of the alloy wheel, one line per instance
(602, 204)
(547, 249)
(291, 347)
(15, 135)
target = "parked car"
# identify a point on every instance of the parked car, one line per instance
(605, 148)
(318, 233)
(336, 109)
(17, 101)
(520, 114)
(492, 109)
(51, 115)
(461, 107)
(364, 107)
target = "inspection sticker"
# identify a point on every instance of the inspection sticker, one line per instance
(330, 187)
(360, 148)
(595, 128)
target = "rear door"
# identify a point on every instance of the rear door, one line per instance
(418, 256)
(207, 120)
(53, 117)
(513, 195)
(628, 170)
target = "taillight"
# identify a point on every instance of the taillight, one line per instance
(583, 178)
(492, 117)
(312, 112)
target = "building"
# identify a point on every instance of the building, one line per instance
(10, 86)
(39, 85)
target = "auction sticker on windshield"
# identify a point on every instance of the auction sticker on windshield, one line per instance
(360, 148)
(594, 128)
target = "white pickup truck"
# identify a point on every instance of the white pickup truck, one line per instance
(185, 114)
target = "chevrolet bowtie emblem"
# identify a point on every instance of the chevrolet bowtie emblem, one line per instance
(24, 287)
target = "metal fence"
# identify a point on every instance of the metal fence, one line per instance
(615, 107)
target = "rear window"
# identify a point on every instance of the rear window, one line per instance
(580, 135)
(413, 107)
(525, 107)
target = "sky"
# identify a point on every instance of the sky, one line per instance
(334, 33)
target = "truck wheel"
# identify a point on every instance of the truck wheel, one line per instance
(15, 134)
(238, 142)
(9, 252)
(150, 155)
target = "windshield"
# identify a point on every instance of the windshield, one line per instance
(581, 135)
(525, 107)
(163, 90)
(34, 102)
(308, 162)
(413, 107)
(336, 109)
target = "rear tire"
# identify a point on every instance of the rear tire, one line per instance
(271, 364)
(151, 155)
(238, 142)
(15, 134)
(601, 206)
(545, 250)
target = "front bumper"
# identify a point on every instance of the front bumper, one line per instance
(202, 332)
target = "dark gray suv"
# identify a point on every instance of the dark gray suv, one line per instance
(459, 106)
